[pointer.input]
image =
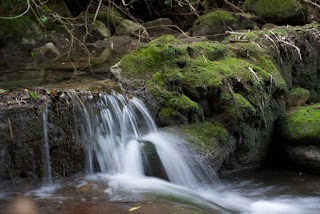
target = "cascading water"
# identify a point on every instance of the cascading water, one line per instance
(117, 129)
(122, 142)
(47, 175)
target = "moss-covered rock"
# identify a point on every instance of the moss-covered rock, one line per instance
(234, 83)
(302, 125)
(296, 96)
(218, 22)
(180, 76)
(279, 11)
(295, 52)
(211, 139)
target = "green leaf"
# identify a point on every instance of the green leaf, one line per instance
(44, 19)
(34, 95)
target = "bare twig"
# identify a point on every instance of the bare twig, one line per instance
(316, 4)
(97, 11)
(14, 17)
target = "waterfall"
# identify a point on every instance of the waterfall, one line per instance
(117, 130)
(122, 141)
(47, 175)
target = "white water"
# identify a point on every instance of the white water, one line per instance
(47, 175)
(114, 131)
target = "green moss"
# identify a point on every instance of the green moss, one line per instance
(236, 106)
(216, 17)
(205, 135)
(168, 112)
(165, 40)
(298, 91)
(183, 103)
(302, 124)
(180, 75)
(278, 11)
(143, 63)
(273, 7)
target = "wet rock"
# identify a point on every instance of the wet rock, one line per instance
(296, 96)
(152, 161)
(279, 11)
(307, 157)
(22, 136)
(211, 140)
(300, 133)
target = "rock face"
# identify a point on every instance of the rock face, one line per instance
(22, 137)
(279, 12)
(300, 131)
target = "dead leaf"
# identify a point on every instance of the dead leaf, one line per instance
(133, 209)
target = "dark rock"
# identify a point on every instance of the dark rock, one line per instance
(307, 157)
(152, 161)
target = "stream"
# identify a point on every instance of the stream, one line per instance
(132, 166)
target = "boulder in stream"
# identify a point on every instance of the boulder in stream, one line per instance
(300, 131)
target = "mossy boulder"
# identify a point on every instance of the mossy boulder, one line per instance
(300, 133)
(296, 96)
(234, 83)
(295, 52)
(216, 23)
(279, 11)
(302, 125)
(210, 139)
